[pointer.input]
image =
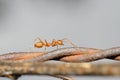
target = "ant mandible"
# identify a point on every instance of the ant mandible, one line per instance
(40, 43)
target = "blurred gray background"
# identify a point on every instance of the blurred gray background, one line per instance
(87, 23)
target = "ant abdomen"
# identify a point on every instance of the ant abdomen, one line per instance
(38, 45)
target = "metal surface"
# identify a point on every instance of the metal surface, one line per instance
(13, 65)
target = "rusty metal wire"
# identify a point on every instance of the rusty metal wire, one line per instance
(72, 54)
(11, 62)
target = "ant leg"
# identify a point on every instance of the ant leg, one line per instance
(69, 42)
(57, 46)
(45, 50)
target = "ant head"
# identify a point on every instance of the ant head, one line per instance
(60, 42)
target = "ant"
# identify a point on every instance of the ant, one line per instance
(40, 43)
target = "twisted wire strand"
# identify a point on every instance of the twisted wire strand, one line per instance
(9, 62)
(70, 54)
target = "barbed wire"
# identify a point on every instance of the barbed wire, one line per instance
(11, 62)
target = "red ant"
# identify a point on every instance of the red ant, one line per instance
(40, 43)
